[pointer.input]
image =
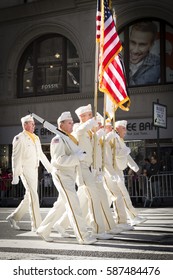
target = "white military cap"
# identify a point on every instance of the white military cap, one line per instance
(27, 118)
(121, 123)
(108, 122)
(83, 109)
(100, 118)
(64, 116)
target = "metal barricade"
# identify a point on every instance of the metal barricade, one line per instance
(161, 189)
(155, 191)
(138, 189)
(48, 192)
(10, 195)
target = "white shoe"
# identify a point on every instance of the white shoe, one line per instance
(138, 220)
(45, 238)
(12, 223)
(114, 231)
(88, 240)
(125, 227)
(102, 236)
(65, 234)
(61, 230)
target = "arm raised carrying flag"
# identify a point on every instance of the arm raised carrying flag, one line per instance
(71, 145)
(55, 130)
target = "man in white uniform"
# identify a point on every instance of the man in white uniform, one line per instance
(66, 161)
(98, 213)
(98, 167)
(122, 160)
(113, 191)
(26, 155)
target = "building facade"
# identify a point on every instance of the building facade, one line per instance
(47, 66)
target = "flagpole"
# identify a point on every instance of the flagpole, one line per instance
(95, 102)
(96, 78)
(114, 142)
(104, 123)
(95, 99)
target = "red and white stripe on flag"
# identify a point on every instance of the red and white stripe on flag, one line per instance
(111, 75)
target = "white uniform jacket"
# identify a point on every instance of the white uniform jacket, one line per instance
(108, 158)
(27, 154)
(82, 133)
(63, 158)
(98, 150)
(121, 153)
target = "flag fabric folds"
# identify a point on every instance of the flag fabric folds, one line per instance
(110, 107)
(111, 76)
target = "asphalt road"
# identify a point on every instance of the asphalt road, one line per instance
(152, 240)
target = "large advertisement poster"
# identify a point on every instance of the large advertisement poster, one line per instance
(144, 53)
(169, 54)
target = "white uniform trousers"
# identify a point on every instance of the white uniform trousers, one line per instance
(87, 207)
(30, 201)
(107, 216)
(106, 210)
(132, 212)
(68, 201)
(115, 197)
(92, 209)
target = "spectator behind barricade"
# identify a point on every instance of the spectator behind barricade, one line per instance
(133, 183)
(155, 184)
(146, 199)
(2, 185)
(147, 164)
(4, 177)
(171, 160)
(145, 172)
(154, 166)
(47, 183)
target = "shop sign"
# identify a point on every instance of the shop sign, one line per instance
(159, 115)
(137, 129)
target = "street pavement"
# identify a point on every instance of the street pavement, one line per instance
(151, 240)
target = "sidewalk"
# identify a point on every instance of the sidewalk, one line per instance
(150, 240)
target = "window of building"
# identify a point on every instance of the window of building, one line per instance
(148, 52)
(49, 65)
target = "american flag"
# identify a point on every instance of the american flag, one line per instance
(111, 75)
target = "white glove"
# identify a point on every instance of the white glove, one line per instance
(114, 178)
(50, 170)
(100, 133)
(81, 155)
(15, 180)
(127, 150)
(94, 122)
(110, 136)
(99, 178)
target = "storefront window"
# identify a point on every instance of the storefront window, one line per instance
(50, 65)
(4, 156)
(147, 51)
(137, 150)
